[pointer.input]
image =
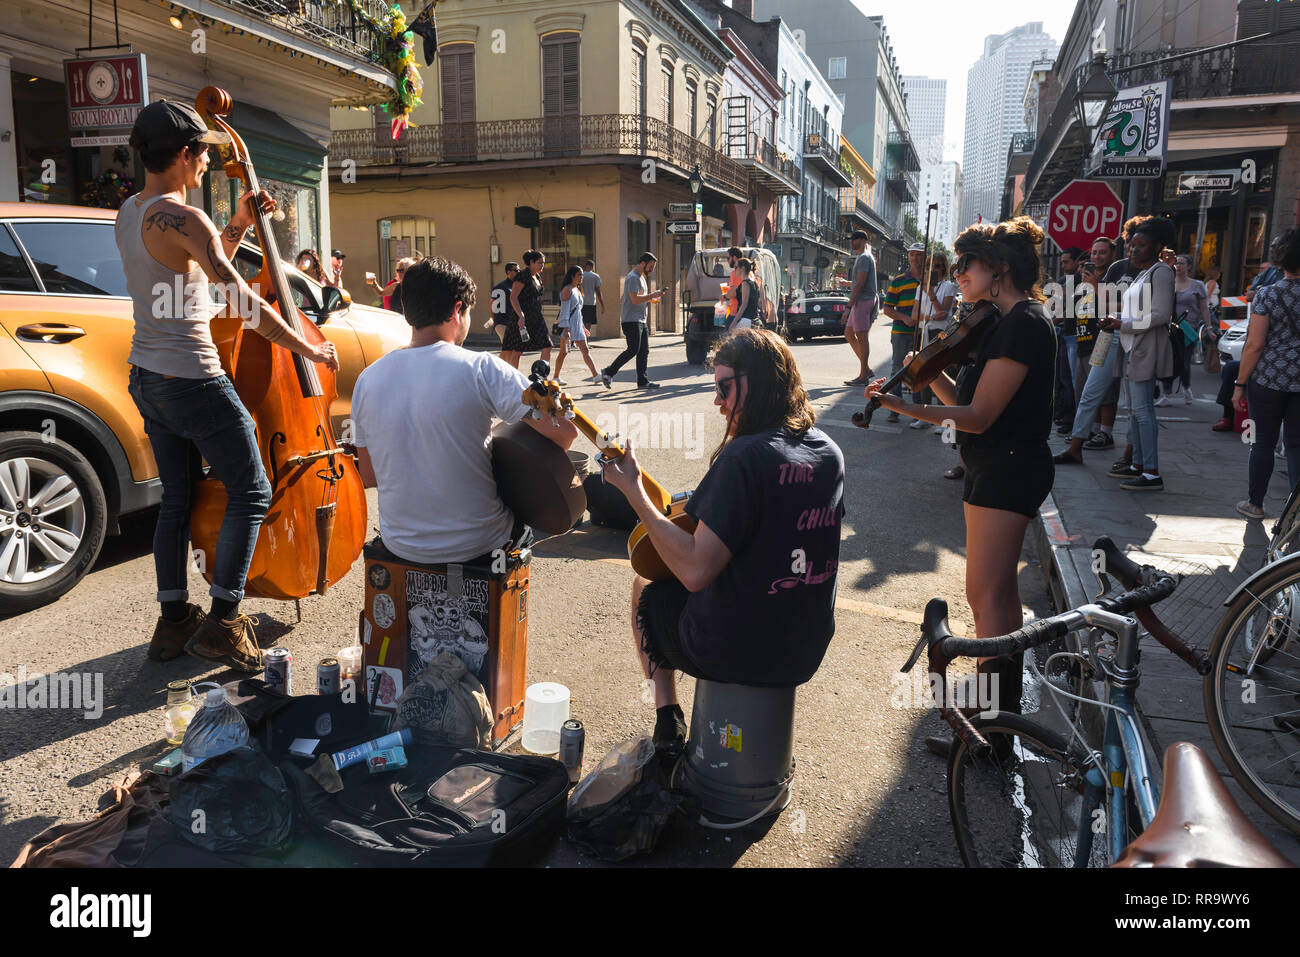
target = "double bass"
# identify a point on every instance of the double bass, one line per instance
(316, 525)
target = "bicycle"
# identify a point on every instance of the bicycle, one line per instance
(1021, 793)
(1284, 537)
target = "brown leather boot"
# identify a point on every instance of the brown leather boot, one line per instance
(169, 637)
(231, 643)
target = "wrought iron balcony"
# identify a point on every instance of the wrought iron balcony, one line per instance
(627, 135)
(1252, 68)
(327, 23)
(903, 183)
(768, 169)
(815, 231)
(1022, 143)
(822, 151)
(901, 153)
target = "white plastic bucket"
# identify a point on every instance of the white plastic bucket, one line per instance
(546, 708)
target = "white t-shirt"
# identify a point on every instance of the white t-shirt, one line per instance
(945, 289)
(426, 428)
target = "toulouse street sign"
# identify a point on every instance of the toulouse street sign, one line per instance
(1132, 139)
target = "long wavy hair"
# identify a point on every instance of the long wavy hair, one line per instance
(775, 396)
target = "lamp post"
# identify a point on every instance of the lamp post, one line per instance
(696, 181)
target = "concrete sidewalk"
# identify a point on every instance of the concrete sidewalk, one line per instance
(1192, 529)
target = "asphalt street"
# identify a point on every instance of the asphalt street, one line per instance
(866, 792)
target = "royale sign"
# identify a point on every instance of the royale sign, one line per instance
(1132, 139)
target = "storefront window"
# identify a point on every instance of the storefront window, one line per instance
(565, 240)
(298, 230)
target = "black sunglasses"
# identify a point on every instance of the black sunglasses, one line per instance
(963, 263)
(723, 386)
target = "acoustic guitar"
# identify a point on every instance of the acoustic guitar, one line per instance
(546, 398)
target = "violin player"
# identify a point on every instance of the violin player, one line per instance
(189, 406)
(1001, 408)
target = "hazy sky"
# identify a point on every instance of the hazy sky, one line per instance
(943, 38)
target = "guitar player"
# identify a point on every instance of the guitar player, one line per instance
(752, 600)
(421, 417)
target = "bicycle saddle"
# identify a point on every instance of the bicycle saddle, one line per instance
(1197, 823)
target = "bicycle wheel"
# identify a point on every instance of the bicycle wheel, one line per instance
(1252, 693)
(1285, 538)
(1022, 809)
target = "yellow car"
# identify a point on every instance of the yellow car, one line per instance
(74, 456)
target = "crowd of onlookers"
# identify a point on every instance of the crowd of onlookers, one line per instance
(1131, 321)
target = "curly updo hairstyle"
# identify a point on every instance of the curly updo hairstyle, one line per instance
(1011, 246)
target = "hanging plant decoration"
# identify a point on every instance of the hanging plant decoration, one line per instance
(399, 57)
(108, 190)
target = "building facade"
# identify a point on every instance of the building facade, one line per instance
(1234, 106)
(995, 88)
(926, 109)
(854, 53)
(535, 135)
(282, 71)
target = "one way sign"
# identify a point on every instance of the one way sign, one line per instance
(680, 227)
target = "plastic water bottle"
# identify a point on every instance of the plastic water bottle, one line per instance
(218, 728)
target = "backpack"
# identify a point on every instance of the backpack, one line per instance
(606, 505)
(449, 807)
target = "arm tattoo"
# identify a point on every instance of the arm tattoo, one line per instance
(277, 331)
(233, 233)
(218, 261)
(164, 221)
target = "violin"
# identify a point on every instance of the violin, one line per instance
(316, 525)
(953, 346)
(544, 396)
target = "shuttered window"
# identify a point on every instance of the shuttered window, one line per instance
(560, 94)
(666, 94)
(692, 109)
(456, 75)
(638, 79)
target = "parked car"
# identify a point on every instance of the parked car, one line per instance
(1233, 340)
(74, 456)
(815, 313)
(706, 318)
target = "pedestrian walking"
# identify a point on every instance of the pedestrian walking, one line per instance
(392, 292)
(1143, 325)
(500, 307)
(862, 305)
(572, 328)
(1269, 376)
(899, 302)
(591, 293)
(636, 331)
(1210, 334)
(747, 297)
(526, 313)
(1191, 307)
(1071, 259)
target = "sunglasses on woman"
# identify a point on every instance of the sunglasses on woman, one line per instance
(963, 263)
(723, 386)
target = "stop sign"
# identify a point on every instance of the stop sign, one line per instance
(1083, 211)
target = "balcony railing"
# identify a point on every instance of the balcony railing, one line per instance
(1252, 68)
(824, 149)
(328, 23)
(1022, 143)
(815, 230)
(904, 184)
(781, 175)
(901, 152)
(607, 134)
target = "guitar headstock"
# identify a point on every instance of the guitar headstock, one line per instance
(545, 397)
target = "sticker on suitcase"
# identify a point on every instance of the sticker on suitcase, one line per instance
(436, 622)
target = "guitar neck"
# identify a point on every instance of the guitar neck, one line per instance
(599, 438)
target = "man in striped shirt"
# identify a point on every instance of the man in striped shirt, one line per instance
(899, 304)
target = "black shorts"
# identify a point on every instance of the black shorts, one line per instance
(588, 315)
(659, 613)
(1012, 478)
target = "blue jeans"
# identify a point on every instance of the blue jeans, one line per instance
(901, 342)
(1094, 392)
(1271, 410)
(186, 419)
(1143, 429)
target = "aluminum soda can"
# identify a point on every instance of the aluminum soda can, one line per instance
(327, 676)
(573, 738)
(279, 669)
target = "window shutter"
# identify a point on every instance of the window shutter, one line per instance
(560, 76)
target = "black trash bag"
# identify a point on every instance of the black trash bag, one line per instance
(234, 803)
(621, 808)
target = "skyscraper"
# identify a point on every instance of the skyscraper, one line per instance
(995, 89)
(926, 107)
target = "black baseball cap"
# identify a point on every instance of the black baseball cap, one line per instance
(858, 234)
(338, 254)
(164, 125)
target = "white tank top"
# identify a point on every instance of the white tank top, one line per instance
(172, 311)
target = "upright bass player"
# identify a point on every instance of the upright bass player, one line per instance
(189, 405)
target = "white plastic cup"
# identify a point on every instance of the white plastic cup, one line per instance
(350, 662)
(546, 708)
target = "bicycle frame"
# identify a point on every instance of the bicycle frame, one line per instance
(1122, 749)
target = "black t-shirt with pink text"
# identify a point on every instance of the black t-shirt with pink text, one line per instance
(776, 500)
